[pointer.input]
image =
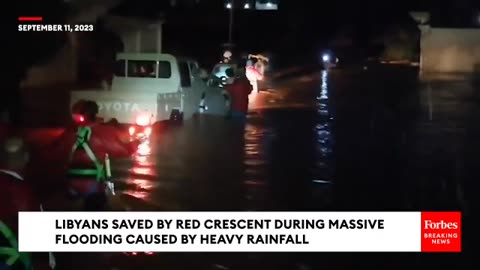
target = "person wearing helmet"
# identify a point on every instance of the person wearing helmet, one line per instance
(93, 144)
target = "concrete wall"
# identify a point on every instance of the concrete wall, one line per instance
(447, 50)
(138, 35)
(150, 41)
(145, 40)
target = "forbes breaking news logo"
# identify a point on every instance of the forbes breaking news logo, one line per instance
(441, 232)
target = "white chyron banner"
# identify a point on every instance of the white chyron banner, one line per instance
(219, 231)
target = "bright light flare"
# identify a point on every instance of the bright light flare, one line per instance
(144, 149)
(143, 120)
(229, 5)
(269, 4)
(136, 253)
(326, 58)
(131, 131)
(227, 54)
(141, 159)
(78, 118)
(148, 131)
(246, 6)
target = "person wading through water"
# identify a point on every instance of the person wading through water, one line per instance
(17, 195)
(92, 145)
(239, 90)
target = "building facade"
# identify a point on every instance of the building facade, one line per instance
(447, 50)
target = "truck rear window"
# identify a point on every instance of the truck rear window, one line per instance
(148, 69)
(142, 69)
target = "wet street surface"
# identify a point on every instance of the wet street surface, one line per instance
(376, 139)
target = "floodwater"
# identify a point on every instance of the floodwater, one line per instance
(340, 140)
(280, 160)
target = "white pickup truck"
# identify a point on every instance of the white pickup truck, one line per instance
(150, 87)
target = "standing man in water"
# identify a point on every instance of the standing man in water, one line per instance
(239, 90)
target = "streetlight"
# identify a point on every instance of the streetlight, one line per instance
(246, 6)
(229, 5)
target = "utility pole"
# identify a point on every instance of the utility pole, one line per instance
(230, 24)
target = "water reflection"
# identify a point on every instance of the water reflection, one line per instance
(144, 149)
(143, 171)
(255, 162)
(252, 97)
(281, 159)
(140, 188)
(140, 181)
(323, 129)
(143, 161)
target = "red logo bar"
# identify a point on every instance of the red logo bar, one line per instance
(441, 231)
(30, 19)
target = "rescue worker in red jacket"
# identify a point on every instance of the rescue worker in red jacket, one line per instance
(239, 90)
(93, 144)
(16, 195)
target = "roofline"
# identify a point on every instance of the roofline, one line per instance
(145, 56)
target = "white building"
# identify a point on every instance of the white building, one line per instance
(447, 50)
(138, 35)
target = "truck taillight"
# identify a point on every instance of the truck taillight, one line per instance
(131, 131)
(148, 131)
(78, 118)
(143, 120)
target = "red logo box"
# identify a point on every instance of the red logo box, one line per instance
(441, 231)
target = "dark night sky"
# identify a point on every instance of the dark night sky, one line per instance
(335, 5)
(308, 22)
(344, 11)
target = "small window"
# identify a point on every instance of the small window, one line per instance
(120, 68)
(184, 74)
(164, 70)
(142, 69)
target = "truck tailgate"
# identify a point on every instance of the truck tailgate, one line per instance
(124, 106)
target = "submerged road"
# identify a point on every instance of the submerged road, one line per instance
(340, 140)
